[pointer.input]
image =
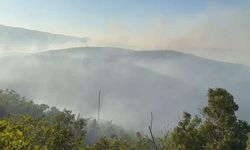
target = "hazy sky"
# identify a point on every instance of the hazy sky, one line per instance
(141, 24)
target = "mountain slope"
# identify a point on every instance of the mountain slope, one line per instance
(19, 39)
(133, 83)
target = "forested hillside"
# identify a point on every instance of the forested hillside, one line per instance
(25, 125)
(164, 82)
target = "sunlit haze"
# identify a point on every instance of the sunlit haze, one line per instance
(213, 29)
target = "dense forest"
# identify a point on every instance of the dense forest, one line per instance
(25, 125)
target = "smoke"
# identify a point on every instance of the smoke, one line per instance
(133, 84)
(214, 33)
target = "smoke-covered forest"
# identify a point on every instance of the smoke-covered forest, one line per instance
(124, 74)
(25, 125)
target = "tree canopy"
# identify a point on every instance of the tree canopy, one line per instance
(25, 125)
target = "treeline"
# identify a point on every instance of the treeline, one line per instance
(25, 125)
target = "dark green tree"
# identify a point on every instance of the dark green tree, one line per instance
(221, 128)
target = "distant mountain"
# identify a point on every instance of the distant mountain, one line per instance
(20, 39)
(133, 83)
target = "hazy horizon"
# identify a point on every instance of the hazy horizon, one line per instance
(164, 82)
(212, 29)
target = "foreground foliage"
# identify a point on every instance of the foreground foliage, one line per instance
(218, 129)
(28, 126)
(25, 132)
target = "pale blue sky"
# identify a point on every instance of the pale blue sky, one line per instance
(94, 14)
(126, 22)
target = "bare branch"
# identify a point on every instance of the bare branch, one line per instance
(152, 137)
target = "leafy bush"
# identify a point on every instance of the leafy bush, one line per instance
(28, 126)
